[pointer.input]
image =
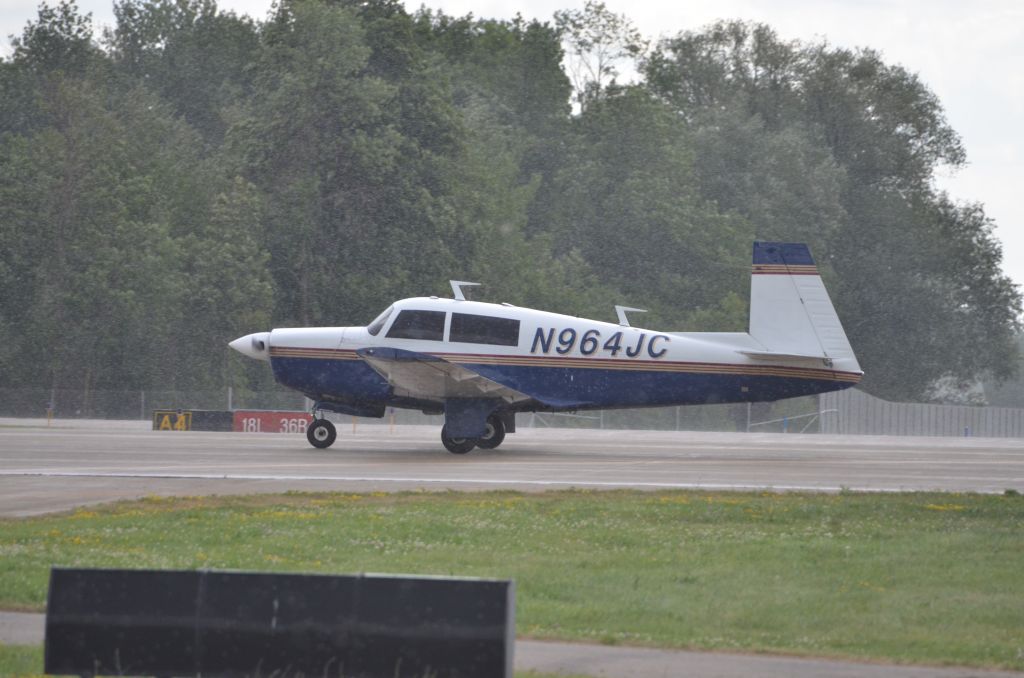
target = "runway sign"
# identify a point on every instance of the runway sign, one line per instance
(172, 420)
(191, 420)
(265, 421)
(153, 622)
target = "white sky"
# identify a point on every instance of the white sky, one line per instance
(970, 53)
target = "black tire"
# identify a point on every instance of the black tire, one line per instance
(456, 445)
(321, 433)
(495, 433)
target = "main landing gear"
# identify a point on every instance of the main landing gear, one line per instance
(492, 437)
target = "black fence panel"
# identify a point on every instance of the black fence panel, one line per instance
(146, 622)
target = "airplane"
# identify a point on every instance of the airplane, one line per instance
(479, 364)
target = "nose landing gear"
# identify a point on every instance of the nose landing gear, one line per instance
(321, 433)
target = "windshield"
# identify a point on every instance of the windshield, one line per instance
(374, 328)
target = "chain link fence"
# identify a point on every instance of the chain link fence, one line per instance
(132, 404)
(846, 412)
(795, 415)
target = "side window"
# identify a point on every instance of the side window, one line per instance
(418, 325)
(483, 329)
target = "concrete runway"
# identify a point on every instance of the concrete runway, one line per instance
(50, 469)
(45, 469)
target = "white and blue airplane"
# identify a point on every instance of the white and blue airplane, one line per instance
(479, 364)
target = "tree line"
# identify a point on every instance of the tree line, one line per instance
(190, 175)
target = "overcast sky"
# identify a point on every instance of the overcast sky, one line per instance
(970, 53)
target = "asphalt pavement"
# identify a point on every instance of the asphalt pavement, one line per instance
(57, 468)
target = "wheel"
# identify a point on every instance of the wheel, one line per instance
(456, 445)
(321, 433)
(495, 433)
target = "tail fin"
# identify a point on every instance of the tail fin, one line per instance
(790, 311)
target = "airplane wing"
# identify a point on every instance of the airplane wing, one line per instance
(421, 375)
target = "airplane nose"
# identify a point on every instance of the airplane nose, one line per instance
(256, 345)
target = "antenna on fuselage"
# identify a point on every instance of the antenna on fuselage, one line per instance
(457, 288)
(621, 312)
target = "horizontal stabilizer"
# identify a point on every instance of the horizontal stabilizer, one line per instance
(772, 355)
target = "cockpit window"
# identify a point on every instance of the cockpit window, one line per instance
(483, 329)
(377, 325)
(418, 325)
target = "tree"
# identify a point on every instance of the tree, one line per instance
(785, 183)
(123, 267)
(730, 65)
(195, 57)
(512, 70)
(627, 199)
(228, 291)
(354, 155)
(59, 41)
(598, 40)
(89, 269)
(56, 46)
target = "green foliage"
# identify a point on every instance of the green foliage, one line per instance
(60, 41)
(195, 57)
(627, 200)
(597, 39)
(780, 180)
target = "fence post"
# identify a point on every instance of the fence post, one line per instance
(142, 405)
(230, 394)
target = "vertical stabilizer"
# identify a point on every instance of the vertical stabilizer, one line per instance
(790, 311)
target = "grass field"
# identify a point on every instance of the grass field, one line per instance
(929, 578)
(21, 660)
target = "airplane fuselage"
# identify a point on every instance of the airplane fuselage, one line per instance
(564, 362)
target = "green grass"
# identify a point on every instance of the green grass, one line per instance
(924, 578)
(21, 660)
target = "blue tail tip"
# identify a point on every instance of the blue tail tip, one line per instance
(790, 253)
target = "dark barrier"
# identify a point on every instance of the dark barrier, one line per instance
(193, 420)
(180, 623)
